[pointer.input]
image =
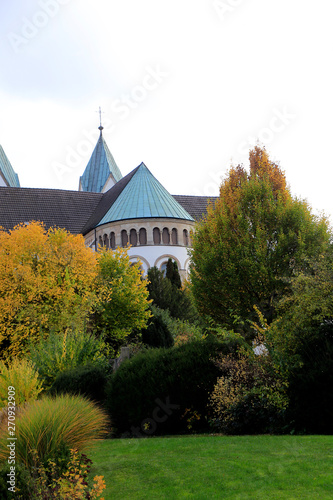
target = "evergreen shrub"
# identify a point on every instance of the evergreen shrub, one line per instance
(177, 331)
(139, 392)
(157, 334)
(167, 294)
(87, 380)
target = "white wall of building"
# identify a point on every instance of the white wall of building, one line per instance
(157, 255)
(150, 253)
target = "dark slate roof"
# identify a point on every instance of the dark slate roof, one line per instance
(76, 211)
(66, 209)
(7, 171)
(196, 206)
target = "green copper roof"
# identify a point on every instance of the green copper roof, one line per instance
(11, 178)
(99, 168)
(142, 197)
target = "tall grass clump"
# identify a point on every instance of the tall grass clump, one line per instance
(61, 352)
(54, 426)
(23, 376)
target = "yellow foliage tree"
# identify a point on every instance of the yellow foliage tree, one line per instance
(46, 284)
(123, 303)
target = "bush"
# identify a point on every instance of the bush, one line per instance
(54, 426)
(250, 396)
(47, 483)
(87, 380)
(61, 352)
(23, 376)
(22, 479)
(178, 330)
(157, 333)
(311, 384)
(139, 392)
(187, 332)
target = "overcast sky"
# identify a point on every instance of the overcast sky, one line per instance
(186, 86)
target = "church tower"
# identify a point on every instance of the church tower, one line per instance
(7, 175)
(101, 172)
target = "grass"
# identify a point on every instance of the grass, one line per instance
(50, 425)
(216, 467)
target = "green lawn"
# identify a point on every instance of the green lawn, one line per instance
(208, 467)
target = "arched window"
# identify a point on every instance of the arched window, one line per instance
(100, 241)
(156, 236)
(124, 238)
(174, 236)
(163, 268)
(105, 241)
(185, 237)
(166, 236)
(112, 240)
(133, 237)
(143, 236)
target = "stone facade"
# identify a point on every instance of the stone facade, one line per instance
(152, 241)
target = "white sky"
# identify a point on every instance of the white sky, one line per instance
(187, 86)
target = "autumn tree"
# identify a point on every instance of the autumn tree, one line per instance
(46, 284)
(250, 244)
(122, 296)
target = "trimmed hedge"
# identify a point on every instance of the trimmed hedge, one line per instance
(87, 380)
(163, 391)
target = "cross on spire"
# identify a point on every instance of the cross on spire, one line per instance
(100, 120)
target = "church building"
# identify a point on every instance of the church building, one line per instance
(109, 210)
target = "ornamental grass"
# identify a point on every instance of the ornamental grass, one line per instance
(21, 374)
(52, 427)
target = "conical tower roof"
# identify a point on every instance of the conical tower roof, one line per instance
(143, 196)
(100, 168)
(9, 177)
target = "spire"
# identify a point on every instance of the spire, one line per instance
(7, 175)
(101, 172)
(100, 128)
